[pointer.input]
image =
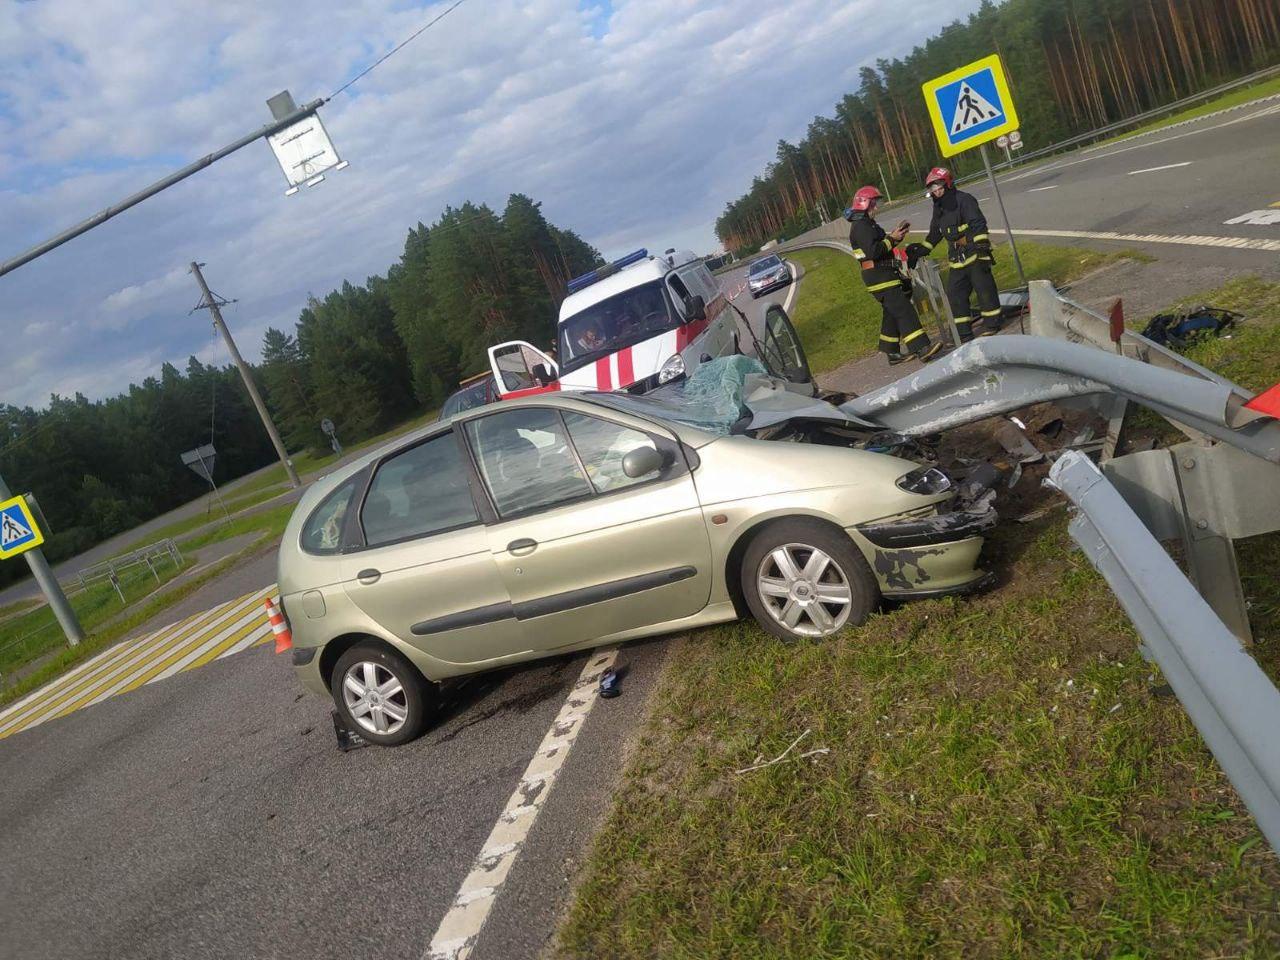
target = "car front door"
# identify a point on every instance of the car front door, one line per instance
(515, 367)
(425, 572)
(585, 550)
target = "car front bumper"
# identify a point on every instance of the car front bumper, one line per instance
(927, 556)
(764, 286)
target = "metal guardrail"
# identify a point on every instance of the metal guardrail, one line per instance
(147, 556)
(1229, 698)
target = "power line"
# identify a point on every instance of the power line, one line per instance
(397, 48)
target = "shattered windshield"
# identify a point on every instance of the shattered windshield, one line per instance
(711, 399)
(620, 321)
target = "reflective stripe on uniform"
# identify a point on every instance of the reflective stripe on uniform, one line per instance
(888, 245)
(962, 228)
(960, 320)
(888, 339)
(978, 238)
(859, 254)
(882, 286)
(965, 263)
(991, 313)
(911, 336)
(926, 244)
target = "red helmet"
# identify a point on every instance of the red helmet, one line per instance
(940, 175)
(864, 198)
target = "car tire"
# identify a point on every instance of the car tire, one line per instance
(805, 580)
(401, 709)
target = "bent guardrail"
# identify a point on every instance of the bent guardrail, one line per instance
(1232, 702)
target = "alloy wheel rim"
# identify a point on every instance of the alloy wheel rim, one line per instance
(804, 590)
(375, 698)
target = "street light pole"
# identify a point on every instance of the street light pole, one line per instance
(50, 586)
(212, 304)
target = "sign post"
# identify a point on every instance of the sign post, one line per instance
(969, 108)
(20, 533)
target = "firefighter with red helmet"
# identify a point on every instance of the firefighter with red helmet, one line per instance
(958, 218)
(901, 335)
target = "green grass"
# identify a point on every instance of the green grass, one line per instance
(267, 523)
(1002, 778)
(1243, 95)
(839, 321)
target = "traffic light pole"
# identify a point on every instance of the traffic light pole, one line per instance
(212, 303)
(50, 586)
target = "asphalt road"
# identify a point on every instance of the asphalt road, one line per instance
(1188, 179)
(212, 814)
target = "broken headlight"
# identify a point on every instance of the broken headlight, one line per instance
(926, 481)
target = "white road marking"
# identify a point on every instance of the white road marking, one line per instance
(456, 936)
(795, 285)
(1038, 189)
(1258, 218)
(1035, 171)
(1241, 243)
(1167, 166)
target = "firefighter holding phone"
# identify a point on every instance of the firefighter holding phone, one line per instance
(901, 336)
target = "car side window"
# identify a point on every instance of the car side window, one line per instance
(423, 490)
(322, 533)
(526, 461)
(602, 445)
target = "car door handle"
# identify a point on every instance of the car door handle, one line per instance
(522, 548)
(369, 575)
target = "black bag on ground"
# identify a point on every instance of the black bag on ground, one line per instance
(1180, 328)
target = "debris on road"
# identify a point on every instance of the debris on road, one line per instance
(783, 755)
(610, 684)
(348, 739)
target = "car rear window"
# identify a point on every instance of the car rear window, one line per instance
(322, 533)
(423, 490)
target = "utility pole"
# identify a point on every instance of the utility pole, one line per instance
(50, 586)
(212, 304)
(884, 183)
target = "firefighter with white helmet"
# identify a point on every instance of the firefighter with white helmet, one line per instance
(901, 335)
(958, 218)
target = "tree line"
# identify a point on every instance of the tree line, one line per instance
(365, 357)
(1073, 66)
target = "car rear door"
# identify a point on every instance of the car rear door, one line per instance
(584, 550)
(425, 572)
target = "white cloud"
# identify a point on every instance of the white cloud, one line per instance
(632, 131)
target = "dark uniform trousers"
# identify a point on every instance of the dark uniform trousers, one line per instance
(900, 330)
(965, 281)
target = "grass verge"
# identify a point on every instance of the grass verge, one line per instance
(1004, 776)
(1236, 97)
(839, 321)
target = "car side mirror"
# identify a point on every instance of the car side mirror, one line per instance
(695, 309)
(643, 461)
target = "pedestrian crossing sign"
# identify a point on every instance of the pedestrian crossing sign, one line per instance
(970, 106)
(19, 531)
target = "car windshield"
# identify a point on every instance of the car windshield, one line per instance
(760, 266)
(476, 395)
(620, 321)
(710, 400)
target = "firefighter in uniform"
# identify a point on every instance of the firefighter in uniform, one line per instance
(900, 332)
(958, 218)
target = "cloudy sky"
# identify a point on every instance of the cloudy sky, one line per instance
(633, 121)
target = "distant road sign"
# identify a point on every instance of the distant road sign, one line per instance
(202, 460)
(970, 106)
(19, 531)
(1015, 137)
(1003, 142)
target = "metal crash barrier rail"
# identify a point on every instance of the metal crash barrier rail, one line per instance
(147, 556)
(1216, 487)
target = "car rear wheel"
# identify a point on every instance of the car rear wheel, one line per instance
(381, 695)
(803, 580)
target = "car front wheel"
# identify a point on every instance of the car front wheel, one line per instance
(804, 580)
(381, 695)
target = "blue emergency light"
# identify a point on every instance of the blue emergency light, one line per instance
(608, 270)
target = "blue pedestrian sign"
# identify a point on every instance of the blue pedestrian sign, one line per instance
(970, 106)
(19, 531)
